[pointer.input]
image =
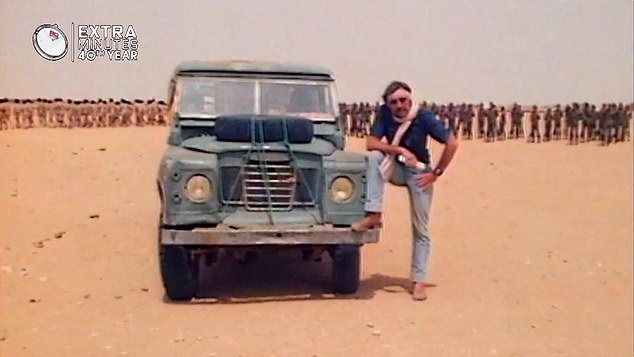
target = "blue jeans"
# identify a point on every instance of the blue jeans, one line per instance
(420, 203)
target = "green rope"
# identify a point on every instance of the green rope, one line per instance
(258, 147)
(289, 148)
(264, 169)
(245, 161)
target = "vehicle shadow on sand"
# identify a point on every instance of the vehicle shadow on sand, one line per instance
(282, 276)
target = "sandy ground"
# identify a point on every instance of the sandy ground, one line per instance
(532, 256)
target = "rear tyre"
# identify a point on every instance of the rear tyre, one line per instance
(346, 268)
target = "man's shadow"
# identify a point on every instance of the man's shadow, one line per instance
(282, 276)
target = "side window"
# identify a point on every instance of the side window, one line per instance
(170, 92)
(175, 99)
(172, 101)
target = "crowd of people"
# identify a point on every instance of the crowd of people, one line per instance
(68, 113)
(575, 122)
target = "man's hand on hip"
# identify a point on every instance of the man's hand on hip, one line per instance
(426, 180)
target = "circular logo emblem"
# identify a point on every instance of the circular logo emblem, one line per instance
(50, 42)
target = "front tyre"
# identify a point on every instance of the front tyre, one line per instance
(346, 268)
(179, 272)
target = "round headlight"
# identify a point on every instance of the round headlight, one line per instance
(198, 188)
(341, 189)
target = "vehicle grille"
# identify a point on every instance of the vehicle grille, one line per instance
(276, 186)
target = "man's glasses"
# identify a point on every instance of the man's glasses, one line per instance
(398, 100)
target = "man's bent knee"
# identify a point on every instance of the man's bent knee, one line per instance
(376, 156)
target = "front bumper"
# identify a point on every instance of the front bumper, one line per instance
(271, 235)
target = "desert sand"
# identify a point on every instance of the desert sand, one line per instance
(531, 256)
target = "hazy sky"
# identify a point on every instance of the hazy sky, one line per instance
(530, 51)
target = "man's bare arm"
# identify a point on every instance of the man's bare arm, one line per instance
(374, 143)
(451, 146)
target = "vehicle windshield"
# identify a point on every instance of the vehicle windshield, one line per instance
(209, 97)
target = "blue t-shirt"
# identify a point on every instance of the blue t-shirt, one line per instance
(415, 138)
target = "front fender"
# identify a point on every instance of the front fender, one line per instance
(176, 166)
(354, 166)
